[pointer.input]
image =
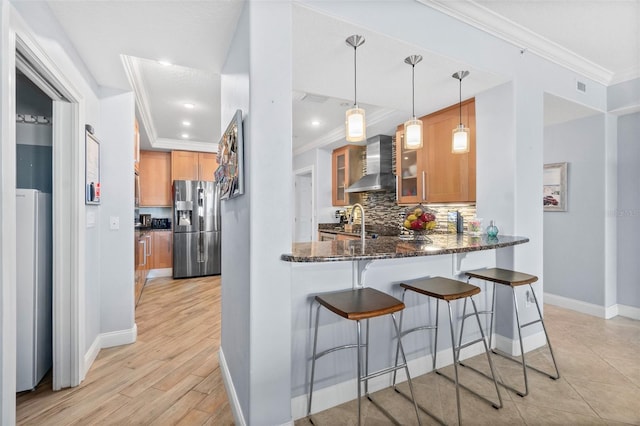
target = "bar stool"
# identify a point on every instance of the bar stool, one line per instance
(448, 290)
(356, 305)
(514, 279)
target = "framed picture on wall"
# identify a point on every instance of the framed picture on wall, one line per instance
(554, 196)
(92, 169)
(230, 171)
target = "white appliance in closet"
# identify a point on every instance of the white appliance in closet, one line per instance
(34, 287)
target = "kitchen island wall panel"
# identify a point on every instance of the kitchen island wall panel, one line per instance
(334, 373)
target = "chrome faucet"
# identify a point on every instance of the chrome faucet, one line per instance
(351, 219)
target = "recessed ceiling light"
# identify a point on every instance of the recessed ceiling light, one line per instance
(164, 63)
(186, 123)
(189, 106)
(315, 123)
(185, 136)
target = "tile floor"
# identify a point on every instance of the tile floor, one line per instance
(599, 362)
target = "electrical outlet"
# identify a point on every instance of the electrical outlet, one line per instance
(528, 299)
(114, 222)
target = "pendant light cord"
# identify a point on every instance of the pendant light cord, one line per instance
(413, 91)
(355, 76)
(460, 103)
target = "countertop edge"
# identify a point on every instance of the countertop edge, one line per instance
(293, 258)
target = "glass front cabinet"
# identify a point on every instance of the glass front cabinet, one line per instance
(347, 167)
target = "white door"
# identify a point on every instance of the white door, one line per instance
(303, 199)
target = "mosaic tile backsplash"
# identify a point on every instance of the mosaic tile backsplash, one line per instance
(381, 208)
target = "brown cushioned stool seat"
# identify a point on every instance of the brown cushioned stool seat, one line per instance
(448, 290)
(356, 305)
(514, 279)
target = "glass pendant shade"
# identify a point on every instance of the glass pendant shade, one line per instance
(413, 127)
(413, 134)
(355, 125)
(460, 141)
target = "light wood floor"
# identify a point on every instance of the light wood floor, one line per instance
(169, 376)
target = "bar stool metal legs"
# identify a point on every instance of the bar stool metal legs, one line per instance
(514, 279)
(448, 290)
(359, 304)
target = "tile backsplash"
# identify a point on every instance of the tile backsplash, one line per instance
(381, 208)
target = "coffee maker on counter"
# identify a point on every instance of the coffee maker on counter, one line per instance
(342, 215)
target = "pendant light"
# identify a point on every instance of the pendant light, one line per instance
(354, 118)
(460, 140)
(413, 127)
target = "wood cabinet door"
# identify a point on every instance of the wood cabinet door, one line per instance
(409, 171)
(155, 179)
(339, 168)
(207, 165)
(162, 249)
(346, 168)
(449, 177)
(184, 165)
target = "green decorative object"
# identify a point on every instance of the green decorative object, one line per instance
(492, 230)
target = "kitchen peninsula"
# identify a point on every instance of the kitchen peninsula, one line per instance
(380, 263)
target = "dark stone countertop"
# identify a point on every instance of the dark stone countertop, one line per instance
(387, 247)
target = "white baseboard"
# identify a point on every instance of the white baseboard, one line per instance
(577, 305)
(591, 309)
(118, 338)
(238, 417)
(107, 340)
(512, 346)
(346, 391)
(90, 356)
(157, 273)
(629, 312)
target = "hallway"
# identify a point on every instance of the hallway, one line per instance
(169, 376)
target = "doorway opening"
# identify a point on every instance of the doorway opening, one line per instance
(59, 145)
(304, 216)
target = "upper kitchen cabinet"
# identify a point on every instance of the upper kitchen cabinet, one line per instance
(190, 165)
(410, 172)
(346, 166)
(433, 174)
(155, 179)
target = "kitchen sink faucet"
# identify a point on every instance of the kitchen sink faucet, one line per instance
(351, 219)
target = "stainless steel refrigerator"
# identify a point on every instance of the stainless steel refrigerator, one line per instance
(196, 228)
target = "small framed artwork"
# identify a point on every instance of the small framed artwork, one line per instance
(554, 196)
(230, 171)
(92, 169)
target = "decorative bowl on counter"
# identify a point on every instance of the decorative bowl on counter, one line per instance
(420, 221)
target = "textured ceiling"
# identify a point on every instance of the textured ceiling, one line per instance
(195, 36)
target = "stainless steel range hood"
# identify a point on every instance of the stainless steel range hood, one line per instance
(379, 176)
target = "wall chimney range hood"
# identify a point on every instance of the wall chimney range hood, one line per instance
(379, 176)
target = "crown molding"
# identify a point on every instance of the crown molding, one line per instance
(492, 23)
(133, 75)
(182, 145)
(338, 133)
(626, 75)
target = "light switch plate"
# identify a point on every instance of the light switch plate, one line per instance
(114, 222)
(91, 219)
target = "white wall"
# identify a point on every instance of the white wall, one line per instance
(628, 211)
(116, 286)
(574, 258)
(7, 226)
(236, 279)
(256, 314)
